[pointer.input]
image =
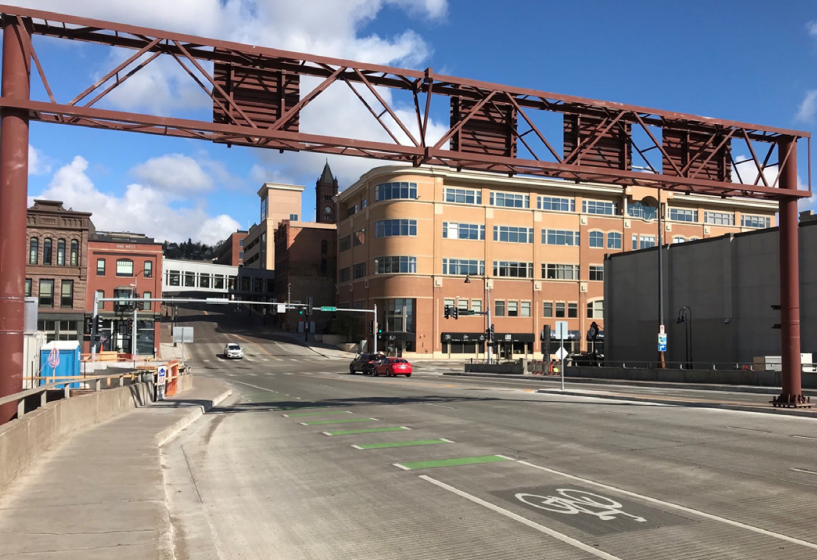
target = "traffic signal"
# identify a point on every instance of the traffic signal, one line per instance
(309, 305)
(379, 330)
(371, 327)
(456, 312)
(140, 305)
(447, 312)
(300, 311)
(99, 322)
(490, 332)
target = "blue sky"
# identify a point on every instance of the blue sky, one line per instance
(742, 60)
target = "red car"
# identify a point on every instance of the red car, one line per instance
(391, 367)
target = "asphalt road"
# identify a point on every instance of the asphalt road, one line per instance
(308, 461)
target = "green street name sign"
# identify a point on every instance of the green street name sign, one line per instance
(328, 308)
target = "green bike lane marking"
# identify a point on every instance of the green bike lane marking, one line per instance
(366, 431)
(318, 413)
(402, 443)
(456, 462)
(339, 421)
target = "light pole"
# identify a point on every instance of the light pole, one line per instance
(135, 287)
(487, 313)
(685, 316)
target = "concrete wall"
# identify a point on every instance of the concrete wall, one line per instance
(729, 283)
(23, 440)
(697, 376)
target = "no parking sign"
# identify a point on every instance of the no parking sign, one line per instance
(161, 379)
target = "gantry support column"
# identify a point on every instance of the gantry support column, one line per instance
(13, 205)
(792, 394)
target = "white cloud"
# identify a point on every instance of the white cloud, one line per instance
(37, 162)
(808, 108)
(174, 173)
(812, 28)
(142, 208)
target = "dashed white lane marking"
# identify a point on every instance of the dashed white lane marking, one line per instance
(679, 507)
(803, 471)
(252, 374)
(287, 373)
(205, 360)
(533, 525)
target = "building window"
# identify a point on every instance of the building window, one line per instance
(190, 279)
(174, 278)
(635, 242)
(100, 267)
(363, 204)
(399, 315)
(560, 310)
(462, 304)
(47, 251)
(204, 281)
(67, 294)
(719, 218)
(124, 267)
(148, 269)
(547, 309)
(755, 221)
(614, 240)
(557, 203)
(513, 234)
(693, 238)
(61, 252)
(392, 228)
(345, 243)
(513, 269)
(595, 309)
(476, 305)
(510, 200)
(68, 330)
(359, 270)
(218, 282)
(389, 191)
(572, 310)
(678, 239)
(643, 211)
(453, 230)
(360, 237)
(240, 242)
(448, 303)
(264, 208)
(513, 308)
(394, 265)
(464, 266)
(596, 272)
(74, 252)
(524, 309)
(46, 293)
(647, 241)
(293, 217)
(351, 211)
(148, 304)
(463, 196)
(499, 308)
(597, 239)
(560, 271)
(560, 237)
(345, 274)
(599, 207)
(683, 215)
(101, 304)
(33, 250)
(28, 287)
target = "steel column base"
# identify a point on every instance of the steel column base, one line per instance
(785, 400)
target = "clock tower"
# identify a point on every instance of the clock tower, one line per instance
(325, 189)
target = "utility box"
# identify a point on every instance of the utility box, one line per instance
(60, 359)
(775, 363)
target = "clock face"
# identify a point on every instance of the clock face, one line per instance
(327, 210)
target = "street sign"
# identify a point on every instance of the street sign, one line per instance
(161, 379)
(561, 353)
(561, 330)
(182, 334)
(662, 342)
(282, 308)
(328, 308)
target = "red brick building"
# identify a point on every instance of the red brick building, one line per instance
(119, 265)
(231, 250)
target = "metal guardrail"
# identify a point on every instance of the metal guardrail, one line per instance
(735, 366)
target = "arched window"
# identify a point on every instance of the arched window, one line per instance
(596, 239)
(74, 252)
(47, 251)
(33, 250)
(61, 252)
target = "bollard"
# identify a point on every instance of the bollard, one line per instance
(67, 391)
(97, 385)
(21, 408)
(121, 380)
(43, 398)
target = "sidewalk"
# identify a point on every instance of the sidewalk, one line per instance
(100, 494)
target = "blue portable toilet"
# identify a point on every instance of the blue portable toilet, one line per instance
(66, 362)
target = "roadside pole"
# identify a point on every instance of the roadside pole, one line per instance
(562, 348)
(490, 337)
(133, 333)
(94, 332)
(374, 334)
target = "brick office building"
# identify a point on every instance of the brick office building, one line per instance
(119, 265)
(56, 267)
(231, 250)
(409, 238)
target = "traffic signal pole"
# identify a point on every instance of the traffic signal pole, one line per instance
(376, 329)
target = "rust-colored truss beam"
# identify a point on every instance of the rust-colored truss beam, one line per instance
(689, 172)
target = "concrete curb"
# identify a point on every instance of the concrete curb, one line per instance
(193, 414)
(800, 412)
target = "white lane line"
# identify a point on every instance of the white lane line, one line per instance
(252, 374)
(516, 517)
(399, 466)
(287, 373)
(294, 360)
(205, 360)
(446, 440)
(679, 507)
(357, 447)
(804, 437)
(255, 386)
(803, 471)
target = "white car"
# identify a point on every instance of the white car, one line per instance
(233, 350)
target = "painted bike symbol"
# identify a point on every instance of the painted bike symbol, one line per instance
(573, 502)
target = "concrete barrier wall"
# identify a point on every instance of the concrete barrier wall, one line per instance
(698, 376)
(22, 441)
(495, 368)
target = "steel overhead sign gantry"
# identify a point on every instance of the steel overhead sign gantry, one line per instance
(258, 95)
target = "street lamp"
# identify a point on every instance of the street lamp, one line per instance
(685, 316)
(487, 314)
